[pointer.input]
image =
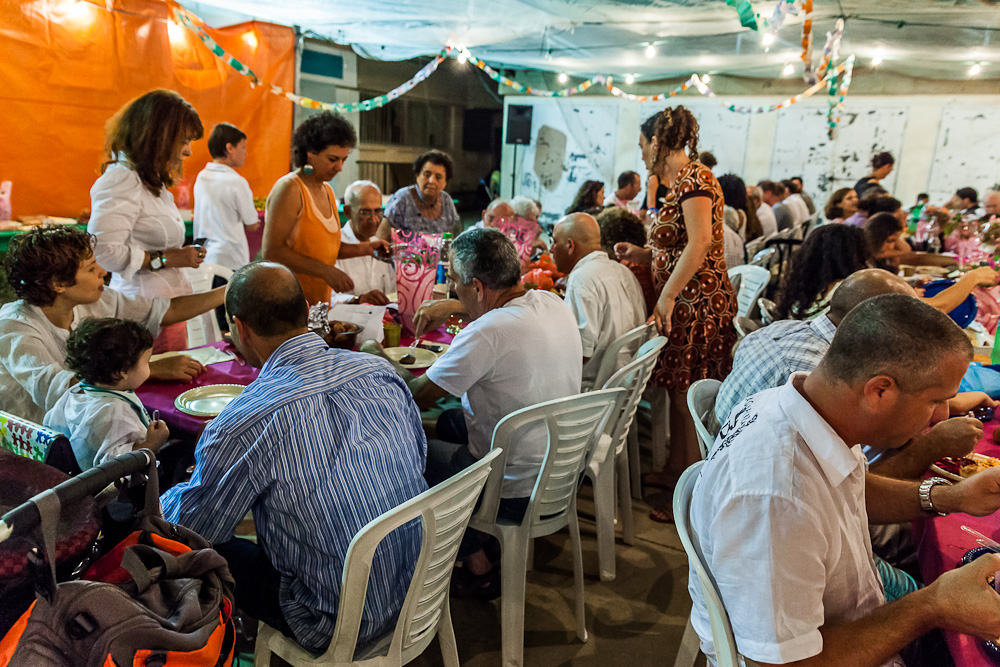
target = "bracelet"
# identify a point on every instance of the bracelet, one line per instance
(924, 492)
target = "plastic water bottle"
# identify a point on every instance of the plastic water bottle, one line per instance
(443, 258)
(934, 237)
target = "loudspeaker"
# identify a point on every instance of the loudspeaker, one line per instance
(519, 124)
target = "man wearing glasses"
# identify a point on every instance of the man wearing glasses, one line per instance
(373, 276)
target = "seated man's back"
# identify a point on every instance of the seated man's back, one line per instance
(320, 444)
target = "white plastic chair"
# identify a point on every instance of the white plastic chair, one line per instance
(745, 326)
(768, 310)
(444, 512)
(608, 467)
(701, 404)
(572, 425)
(754, 281)
(726, 653)
(204, 328)
(630, 340)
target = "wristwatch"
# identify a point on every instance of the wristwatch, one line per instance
(925, 495)
(156, 260)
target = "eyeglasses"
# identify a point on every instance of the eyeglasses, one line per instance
(370, 212)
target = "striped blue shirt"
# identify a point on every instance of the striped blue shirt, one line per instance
(320, 444)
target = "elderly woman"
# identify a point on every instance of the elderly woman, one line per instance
(425, 206)
(842, 204)
(138, 230)
(696, 303)
(589, 199)
(302, 226)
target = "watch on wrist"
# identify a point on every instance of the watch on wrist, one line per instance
(924, 492)
(157, 261)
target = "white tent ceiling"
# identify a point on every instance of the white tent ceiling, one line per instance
(924, 38)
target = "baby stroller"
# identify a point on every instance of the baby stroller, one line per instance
(159, 597)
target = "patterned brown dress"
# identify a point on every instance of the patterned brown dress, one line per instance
(700, 344)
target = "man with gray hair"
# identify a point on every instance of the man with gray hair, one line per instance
(373, 278)
(521, 347)
(782, 505)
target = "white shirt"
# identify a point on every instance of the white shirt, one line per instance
(33, 373)
(780, 512)
(367, 272)
(768, 222)
(606, 300)
(223, 206)
(797, 205)
(732, 247)
(128, 220)
(621, 203)
(527, 351)
(99, 426)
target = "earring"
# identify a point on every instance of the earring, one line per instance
(307, 169)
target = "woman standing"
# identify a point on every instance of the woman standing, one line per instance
(302, 226)
(425, 206)
(138, 230)
(696, 305)
(882, 165)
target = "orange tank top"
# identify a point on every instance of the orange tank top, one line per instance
(318, 237)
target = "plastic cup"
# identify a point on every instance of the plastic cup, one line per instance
(392, 334)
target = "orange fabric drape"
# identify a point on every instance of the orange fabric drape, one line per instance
(67, 66)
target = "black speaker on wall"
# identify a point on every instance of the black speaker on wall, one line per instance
(519, 124)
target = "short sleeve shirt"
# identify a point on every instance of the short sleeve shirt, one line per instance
(402, 212)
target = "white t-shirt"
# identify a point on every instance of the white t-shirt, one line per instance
(797, 205)
(223, 206)
(768, 222)
(33, 373)
(528, 351)
(367, 272)
(606, 300)
(780, 513)
(128, 221)
(100, 426)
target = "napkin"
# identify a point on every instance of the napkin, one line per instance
(203, 355)
(369, 317)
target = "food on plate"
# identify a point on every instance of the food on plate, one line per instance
(967, 466)
(338, 327)
(408, 359)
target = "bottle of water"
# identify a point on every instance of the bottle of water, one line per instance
(443, 259)
(934, 237)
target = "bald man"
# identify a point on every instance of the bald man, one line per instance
(373, 278)
(321, 443)
(605, 297)
(766, 358)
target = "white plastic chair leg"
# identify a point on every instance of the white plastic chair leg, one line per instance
(574, 538)
(690, 647)
(622, 476)
(635, 475)
(513, 563)
(604, 517)
(660, 408)
(446, 637)
(529, 563)
(262, 647)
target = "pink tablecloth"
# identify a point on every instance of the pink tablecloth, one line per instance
(160, 395)
(439, 336)
(941, 542)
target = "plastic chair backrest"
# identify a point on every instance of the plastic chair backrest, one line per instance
(768, 310)
(726, 653)
(572, 426)
(745, 326)
(444, 513)
(764, 257)
(701, 404)
(752, 247)
(629, 340)
(754, 281)
(633, 378)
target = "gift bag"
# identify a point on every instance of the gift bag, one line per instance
(522, 233)
(416, 258)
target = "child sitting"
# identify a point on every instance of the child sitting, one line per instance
(102, 416)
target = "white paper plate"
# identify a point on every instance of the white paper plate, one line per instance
(424, 358)
(207, 401)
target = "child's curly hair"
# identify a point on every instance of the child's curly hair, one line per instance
(101, 351)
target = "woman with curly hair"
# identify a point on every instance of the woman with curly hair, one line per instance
(841, 205)
(139, 231)
(696, 303)
(424, 206)
(828, 255)
(589, 199)
(302, 226)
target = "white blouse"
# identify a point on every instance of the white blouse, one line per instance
(128, 220)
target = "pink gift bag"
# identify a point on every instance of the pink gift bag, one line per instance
(416, 258)
(522, 233)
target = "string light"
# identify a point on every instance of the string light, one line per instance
(629, 79)
(463, 56)
(81, 13)
(706, 78)
(975, 70)
(767, 39)
(789, 68)
(250, 37)
(877, 59)
(176, 33)
(651, 51)
(563, 78)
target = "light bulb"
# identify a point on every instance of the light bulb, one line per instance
(706, 78)
(767, 39)
(80, 13)
(629, 79)
(251, 39)
(650, 51)
(975, 69)
(463, 57)
(175, 32)
(789, 68)
(563, 78)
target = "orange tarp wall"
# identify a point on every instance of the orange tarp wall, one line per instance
(67, 66)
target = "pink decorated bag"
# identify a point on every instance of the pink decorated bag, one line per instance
(416, 258)
(522, 232)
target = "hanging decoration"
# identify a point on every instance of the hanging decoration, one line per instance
(748, 17)
(520, 87)
(845, 83)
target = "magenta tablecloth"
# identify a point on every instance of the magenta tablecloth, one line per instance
(160, 395)
(941, 542)
(439, 336)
